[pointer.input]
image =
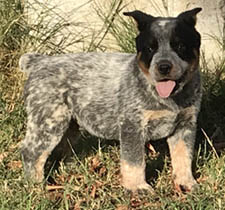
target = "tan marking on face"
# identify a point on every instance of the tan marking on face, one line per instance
(195, 62)
(143, 67)
(182, 166)
(193, 66)
(39, 166)
(150, 115)
(133, 177)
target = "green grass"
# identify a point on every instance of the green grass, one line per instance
(91, 180)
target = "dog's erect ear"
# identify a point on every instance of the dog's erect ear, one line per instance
(189, 16)
(140, 17)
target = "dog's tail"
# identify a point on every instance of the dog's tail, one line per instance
(27, 62)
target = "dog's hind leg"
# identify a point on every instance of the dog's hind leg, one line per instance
(46, 126)
(69, 143)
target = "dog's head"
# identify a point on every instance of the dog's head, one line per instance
(167, 49)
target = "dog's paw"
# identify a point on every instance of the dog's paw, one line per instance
(133, 177)
(142, 188)
(145, 186)
(185, 185)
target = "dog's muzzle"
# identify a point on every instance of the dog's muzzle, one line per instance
(165, 86)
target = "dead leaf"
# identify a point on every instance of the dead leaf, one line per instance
(13, 147)
(93, 191)
(98, 183)
(94, 188)
(202, 179)
(135, 202)
(54, 187)
(3, 156)
(55, 195)
(95, 163)
(15, 164)
(152, 150)
(102, 171)
(122, 207)
(76, 188)
(77, 206)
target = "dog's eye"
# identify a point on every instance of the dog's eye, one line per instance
(153, 47)
(180, 47)
(150, 49)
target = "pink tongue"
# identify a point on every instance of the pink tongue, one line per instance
(165, 88)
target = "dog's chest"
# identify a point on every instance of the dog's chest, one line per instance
(158, 124)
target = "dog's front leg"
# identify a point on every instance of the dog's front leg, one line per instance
(181, 146)
(132, 158)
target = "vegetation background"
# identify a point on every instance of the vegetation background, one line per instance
(91, 179)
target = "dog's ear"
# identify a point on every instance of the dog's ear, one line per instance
(190, 16)
(141, 18)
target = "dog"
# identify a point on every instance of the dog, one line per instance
(150, 95)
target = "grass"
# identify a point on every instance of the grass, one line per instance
(91, 179)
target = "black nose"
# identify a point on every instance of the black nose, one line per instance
(164, 67)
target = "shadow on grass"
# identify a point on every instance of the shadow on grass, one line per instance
(212, 115)
(155, 164)
(86, 145)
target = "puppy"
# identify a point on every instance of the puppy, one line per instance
(133, 98)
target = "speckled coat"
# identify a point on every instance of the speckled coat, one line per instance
(114, 96)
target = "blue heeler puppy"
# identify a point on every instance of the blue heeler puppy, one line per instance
(134, 98)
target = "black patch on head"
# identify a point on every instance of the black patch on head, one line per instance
(147, 44)
(145, 41)
(184, 40)
(141, 18)
(189, 17)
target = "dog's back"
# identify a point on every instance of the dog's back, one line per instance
(97, 87)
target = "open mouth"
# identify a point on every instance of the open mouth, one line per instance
(167, 87)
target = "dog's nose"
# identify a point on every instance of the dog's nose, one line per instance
(164, 67)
